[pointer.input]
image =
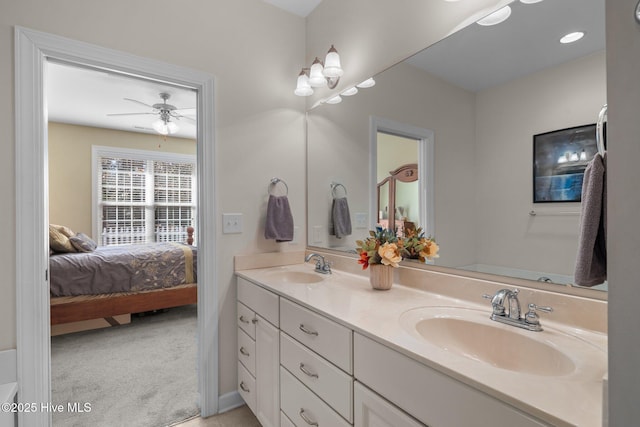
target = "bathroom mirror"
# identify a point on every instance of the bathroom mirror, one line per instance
(482, 93)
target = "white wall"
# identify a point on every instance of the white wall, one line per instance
(338, 139)
(623, 232)
(507, 118)
(260, 123)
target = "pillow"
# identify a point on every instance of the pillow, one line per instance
(83, 243)
(64, 230)
(58, 242)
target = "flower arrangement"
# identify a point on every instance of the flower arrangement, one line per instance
(384, 247)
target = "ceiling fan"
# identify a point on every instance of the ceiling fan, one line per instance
(165, 112)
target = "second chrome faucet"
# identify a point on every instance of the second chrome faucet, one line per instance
(506, 309)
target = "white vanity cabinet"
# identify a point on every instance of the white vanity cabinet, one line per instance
(371, 410)
(428, 395)
(259, 351)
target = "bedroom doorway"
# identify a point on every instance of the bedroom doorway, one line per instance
(128, 208)
(34, 51)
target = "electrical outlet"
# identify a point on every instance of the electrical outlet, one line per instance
(231, 223)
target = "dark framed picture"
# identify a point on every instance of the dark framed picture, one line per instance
(559, 160)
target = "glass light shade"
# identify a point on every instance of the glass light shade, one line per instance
(367, 83)
(164, 128)
(335, 100)
(562, 159)
(332, 66)
(496, 17)
(349, 92)
(583, 155)
(572, 37)
(574, 157)
(316, 78)
(303, 87)
(530, 1)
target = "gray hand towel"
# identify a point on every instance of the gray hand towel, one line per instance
(341, 217)
(279, 224)
(591, 262)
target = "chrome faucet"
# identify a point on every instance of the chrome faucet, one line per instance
(322, 266)
(506, 309)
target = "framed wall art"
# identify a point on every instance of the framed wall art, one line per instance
(559, 160)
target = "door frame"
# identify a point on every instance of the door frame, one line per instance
(32, 51)
(426, 174)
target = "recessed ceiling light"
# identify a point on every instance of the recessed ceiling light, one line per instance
(351, 91)
(496, 17)
(367, 83)
(572, 37)
(530, 1)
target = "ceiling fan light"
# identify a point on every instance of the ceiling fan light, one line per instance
(160, 127)
(172, 127)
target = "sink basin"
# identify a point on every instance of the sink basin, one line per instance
(471, 334)
(293, 276)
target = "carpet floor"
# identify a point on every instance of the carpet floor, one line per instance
(142, 374)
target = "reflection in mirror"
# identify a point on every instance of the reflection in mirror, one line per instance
(484, 92)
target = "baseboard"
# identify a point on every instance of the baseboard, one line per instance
(8, 366)
(229, 401)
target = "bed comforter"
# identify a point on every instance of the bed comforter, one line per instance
(125, 268)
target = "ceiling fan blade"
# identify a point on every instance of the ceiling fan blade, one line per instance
(129, 114)
(189, 119)
(138, 102)
(190, 111)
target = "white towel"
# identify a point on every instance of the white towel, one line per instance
(591, 261)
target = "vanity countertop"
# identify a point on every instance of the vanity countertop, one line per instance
(566, 400)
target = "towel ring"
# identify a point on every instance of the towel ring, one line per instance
(273, 183)
(334, 186)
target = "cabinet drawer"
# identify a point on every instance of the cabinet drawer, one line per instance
(330, 383)
(303, 407)
(247, 352)
(247, 387)
(373, 410)
(260, 300)
(247, 320)
(427, 394)
(285, 421)
(324, 336)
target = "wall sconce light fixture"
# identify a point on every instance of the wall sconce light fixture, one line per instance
(320, 74)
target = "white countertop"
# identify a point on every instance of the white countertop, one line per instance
(573, 399)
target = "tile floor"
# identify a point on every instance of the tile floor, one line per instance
(239, 417)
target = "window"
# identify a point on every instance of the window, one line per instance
(143, 196)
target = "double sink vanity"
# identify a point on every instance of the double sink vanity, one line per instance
(328, 350)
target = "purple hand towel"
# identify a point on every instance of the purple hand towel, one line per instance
(279, 225)
(591, 262)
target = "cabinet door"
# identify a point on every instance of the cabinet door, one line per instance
(372, 410)
(267, 373)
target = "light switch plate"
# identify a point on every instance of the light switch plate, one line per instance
(231, 223)
(361, 220)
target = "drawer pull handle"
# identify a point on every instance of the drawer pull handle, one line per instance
(243, 320)
(307, 419)
(307, 372)
(244, 387)
(244, 352)
(308, 331)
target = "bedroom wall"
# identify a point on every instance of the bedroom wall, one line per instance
(70, 166)
(257, 117)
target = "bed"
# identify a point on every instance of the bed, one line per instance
(118, 280)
